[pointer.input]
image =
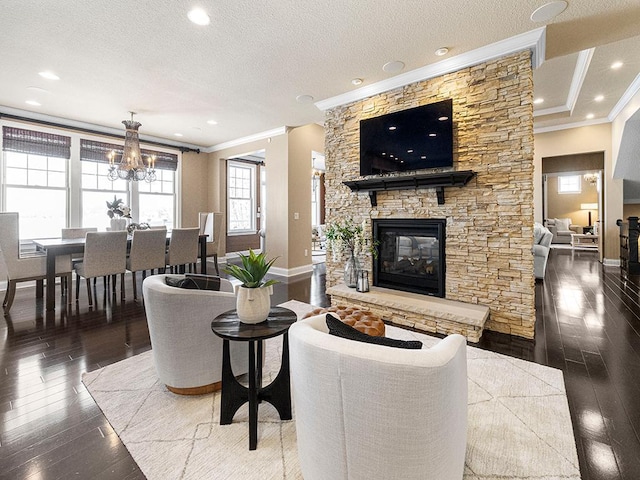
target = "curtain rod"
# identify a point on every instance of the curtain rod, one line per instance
(46, 123)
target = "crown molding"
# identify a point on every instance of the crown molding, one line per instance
(567, 126)
(533, 40)
(625, 98)
(98, 129)
(550, 111)
(249, 138)
(579, 74)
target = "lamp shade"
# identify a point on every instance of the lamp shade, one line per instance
(588, 206)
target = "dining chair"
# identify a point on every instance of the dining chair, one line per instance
(147, 252)
(24, 268)
(183, 249)
(211, 225)
(105, 254)
(76, 232)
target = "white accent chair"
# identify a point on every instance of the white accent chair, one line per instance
(211, 225)
(541, 246)
(183, 249)
(186, 353)
(29, 267)
(105, 255)
(366, 411)
(147, 252)
(562, 229)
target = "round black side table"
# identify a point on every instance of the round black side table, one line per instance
(278, 393)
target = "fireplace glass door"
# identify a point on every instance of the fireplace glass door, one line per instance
(410, 255)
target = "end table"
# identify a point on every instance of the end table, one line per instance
(278, 393)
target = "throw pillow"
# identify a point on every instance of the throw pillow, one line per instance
(562, 224)
(195, 282)
(340, 329)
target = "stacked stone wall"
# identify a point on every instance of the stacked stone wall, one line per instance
(489, 231)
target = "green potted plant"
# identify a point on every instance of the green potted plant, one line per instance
(252, 301)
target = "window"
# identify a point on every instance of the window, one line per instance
(156, 200)
(241, 197)
(569, 184)
(35, 180)
(152, 203)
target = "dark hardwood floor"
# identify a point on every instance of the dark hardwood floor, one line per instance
(588, 326)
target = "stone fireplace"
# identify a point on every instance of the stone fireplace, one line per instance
(488, 222)
(411, 255)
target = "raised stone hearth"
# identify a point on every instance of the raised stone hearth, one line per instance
(422, 312)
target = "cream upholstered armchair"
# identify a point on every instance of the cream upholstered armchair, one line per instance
(367, 411)
(25, 268)
(186, 353)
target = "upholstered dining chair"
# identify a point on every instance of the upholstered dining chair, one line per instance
(353, 400)
(147, 252)
(211, 225)
(76, 232)
(105, 255)
(26, 268)
(183, 249)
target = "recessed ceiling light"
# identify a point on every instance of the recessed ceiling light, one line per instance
(304, 99)
(599, 98)
(392, 127)
(199, 16)
(590, 116)
(49, 75)
(212, 122)
(538, 101)
(356, 81)
(442, 51)
(178, 135)
(393, 67)
(423, 157)
(442, 119)
(616, 65)
(432, 134)
(548, 11)
(409, 151)
(34, 103)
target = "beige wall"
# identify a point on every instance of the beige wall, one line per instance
(193, 188)
(631, 210)
(567, 205)
(302, 141)
(593, 138)
(288, 177)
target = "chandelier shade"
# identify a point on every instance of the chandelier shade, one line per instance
(131, 166)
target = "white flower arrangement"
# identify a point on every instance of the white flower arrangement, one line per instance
(347, 236)
(117, 208)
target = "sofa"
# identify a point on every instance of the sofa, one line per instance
(561, 229)
(366, 411)
(542, 237)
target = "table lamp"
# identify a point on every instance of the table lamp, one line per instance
(589, 207)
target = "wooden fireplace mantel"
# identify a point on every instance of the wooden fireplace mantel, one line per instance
(405, 182)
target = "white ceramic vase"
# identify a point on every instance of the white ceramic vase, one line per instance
(253, 304)
(118, 224)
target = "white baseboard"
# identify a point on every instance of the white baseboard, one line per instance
(611, 262)
(292, 272)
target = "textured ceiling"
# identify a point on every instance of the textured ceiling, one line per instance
(246, 68)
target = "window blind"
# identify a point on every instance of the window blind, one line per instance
(92, 151)
(35, 143)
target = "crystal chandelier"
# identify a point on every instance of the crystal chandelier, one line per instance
(131, 167)
(591, 178)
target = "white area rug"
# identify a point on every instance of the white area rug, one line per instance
(519, 423)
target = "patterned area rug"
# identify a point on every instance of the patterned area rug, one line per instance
(519, 423)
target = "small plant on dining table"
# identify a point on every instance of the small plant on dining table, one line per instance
(254, 268)
(117, 208)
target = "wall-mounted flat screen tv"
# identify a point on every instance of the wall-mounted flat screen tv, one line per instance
(413, 139)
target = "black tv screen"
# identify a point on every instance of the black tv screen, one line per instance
(413, 139)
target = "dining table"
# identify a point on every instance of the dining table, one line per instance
(69, 246)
